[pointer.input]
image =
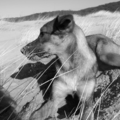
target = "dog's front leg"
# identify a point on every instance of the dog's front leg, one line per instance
(49, 110)
(60, 91)
(85, 92)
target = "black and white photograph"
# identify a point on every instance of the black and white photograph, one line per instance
(59, 60)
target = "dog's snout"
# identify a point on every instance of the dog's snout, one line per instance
(23, 50)
(26, 49)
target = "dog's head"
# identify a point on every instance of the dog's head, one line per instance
(54, 39)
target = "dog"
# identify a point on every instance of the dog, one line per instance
(78, 57)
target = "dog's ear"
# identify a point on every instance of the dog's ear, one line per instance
(64, 23)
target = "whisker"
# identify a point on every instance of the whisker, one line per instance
(38, 52)
(31, 52)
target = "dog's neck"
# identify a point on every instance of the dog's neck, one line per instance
(81, 55)
(82, 45)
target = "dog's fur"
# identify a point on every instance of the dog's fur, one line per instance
(78, 58)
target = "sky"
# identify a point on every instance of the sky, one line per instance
(17, 8)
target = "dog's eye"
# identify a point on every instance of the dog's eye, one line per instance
(61, 36)
(41, 34)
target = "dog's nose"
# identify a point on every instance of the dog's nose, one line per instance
(22, 51)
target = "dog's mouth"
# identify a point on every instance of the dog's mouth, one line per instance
(38, 57)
